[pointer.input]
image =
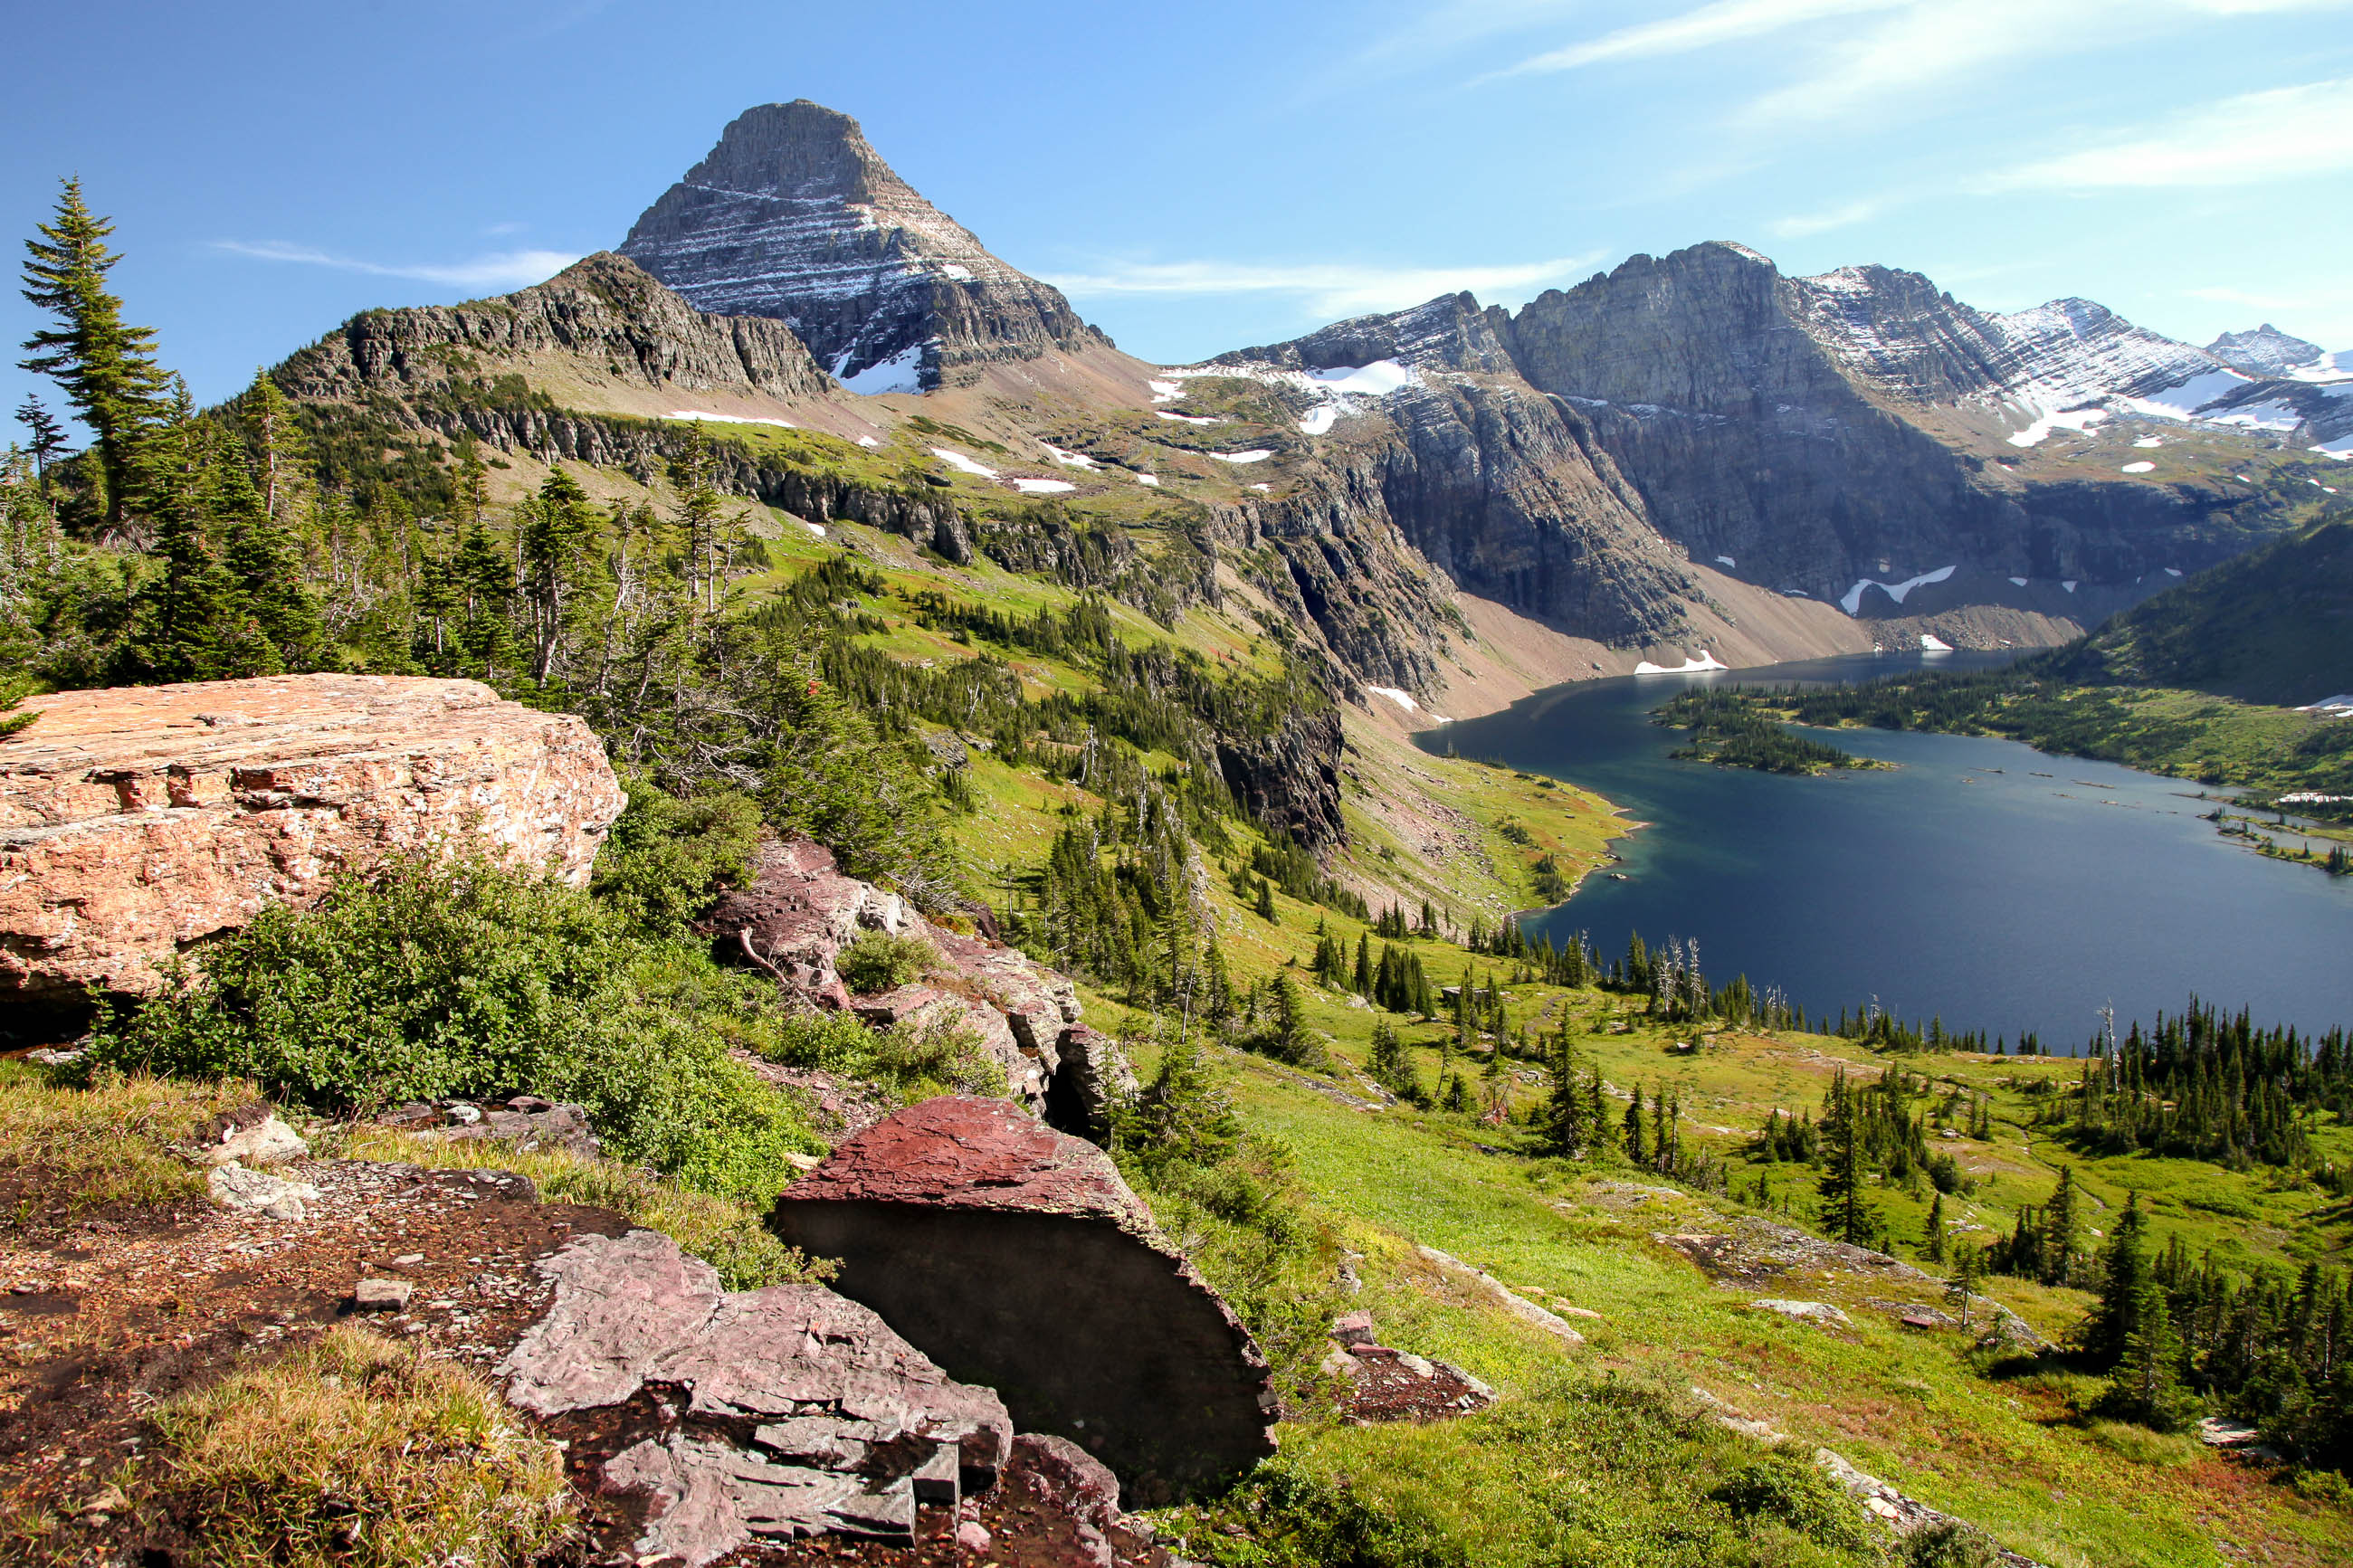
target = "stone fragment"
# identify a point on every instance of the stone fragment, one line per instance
(1806, 1311)
(1073, 1484)
(136, 821)
(269, 1142)
(967, 1224)
(974, 1537)
(1518, 1306)
(242, 1191)
(381, 1295)
(1354, 1329)
(526, 1121)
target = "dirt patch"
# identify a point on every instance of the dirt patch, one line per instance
(107, 1317)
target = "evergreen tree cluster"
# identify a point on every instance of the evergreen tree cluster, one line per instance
(1876, 1132)
(2204, 1085)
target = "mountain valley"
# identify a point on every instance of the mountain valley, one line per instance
(1027, 823)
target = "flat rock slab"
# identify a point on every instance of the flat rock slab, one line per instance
(787, 1411)
(1014, 1256)
(136, 821)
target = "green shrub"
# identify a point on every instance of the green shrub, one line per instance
(669, 857)
(1785, 1485)
(430, 982)
(1282, 1517)
(876, 962)
(1954, 1545)
(914, 1063)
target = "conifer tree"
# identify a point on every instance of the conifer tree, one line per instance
(1968, 1278)
(1931, 1240)
(45, 438)
(2062, 1232)
(1390, 1065)
(2125, 1276)
(105, 366)
(1265, 904)
(1846, 1212)
(1636, 1149)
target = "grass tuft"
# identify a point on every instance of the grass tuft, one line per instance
(113, 1142)
(355, 1452)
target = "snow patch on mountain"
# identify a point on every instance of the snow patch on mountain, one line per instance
(1689, 666)
(1852, 600)
(902, 372)
(963, 464)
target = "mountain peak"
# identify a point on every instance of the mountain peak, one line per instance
(2267, 350)
(794, 216)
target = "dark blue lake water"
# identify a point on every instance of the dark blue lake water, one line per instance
(1980, 880)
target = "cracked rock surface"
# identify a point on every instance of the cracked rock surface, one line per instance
(778, 1413)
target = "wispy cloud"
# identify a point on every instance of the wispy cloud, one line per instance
(494, 269)
(1332, 289)
(2284, 133)
(1727, 21)
(1867, 55)
(1845, 217)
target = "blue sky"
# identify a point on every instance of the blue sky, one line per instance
(1210, 175)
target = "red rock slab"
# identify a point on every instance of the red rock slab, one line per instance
(961, 1152)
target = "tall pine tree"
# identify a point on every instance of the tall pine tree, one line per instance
(105, 366)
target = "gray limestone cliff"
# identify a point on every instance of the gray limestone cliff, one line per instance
(793, 216)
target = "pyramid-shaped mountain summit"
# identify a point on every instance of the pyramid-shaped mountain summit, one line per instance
(794, 216)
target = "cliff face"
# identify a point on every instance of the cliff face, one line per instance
(794, 216)
(1501, 489)
(1783, 423)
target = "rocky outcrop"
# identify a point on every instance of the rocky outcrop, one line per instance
(1014, 1256)
(1289, 779)
(603, 313)
(1460, 460)
(794, 216)
(136, 821)
(797, 913)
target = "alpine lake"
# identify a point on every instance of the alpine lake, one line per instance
(1978, 880)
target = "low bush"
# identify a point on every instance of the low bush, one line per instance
(432, 980)
(1785, 1485)
(877, 962)
(353, 1452)
(913, 1063)
(669, 857)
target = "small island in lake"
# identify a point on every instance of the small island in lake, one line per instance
(1736, 728)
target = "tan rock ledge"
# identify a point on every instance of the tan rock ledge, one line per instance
(136, 821)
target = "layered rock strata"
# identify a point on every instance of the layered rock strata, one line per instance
(798, 912)
(793, 216)
(136, 821)
(967, 1224)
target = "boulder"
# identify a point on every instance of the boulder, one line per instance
(135, 822)
(792, 1410)
(241, 1191)
(1014, 1256)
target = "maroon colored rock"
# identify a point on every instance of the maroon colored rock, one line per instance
(1354, 1329)
(1074, 1485)
(1014, 1256)
(803, 1412)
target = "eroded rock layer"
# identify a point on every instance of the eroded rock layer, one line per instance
(1014, 1256)
(137, 821)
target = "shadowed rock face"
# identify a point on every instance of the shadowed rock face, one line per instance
(1015, 1256)
(793, 216)
(136, 821)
